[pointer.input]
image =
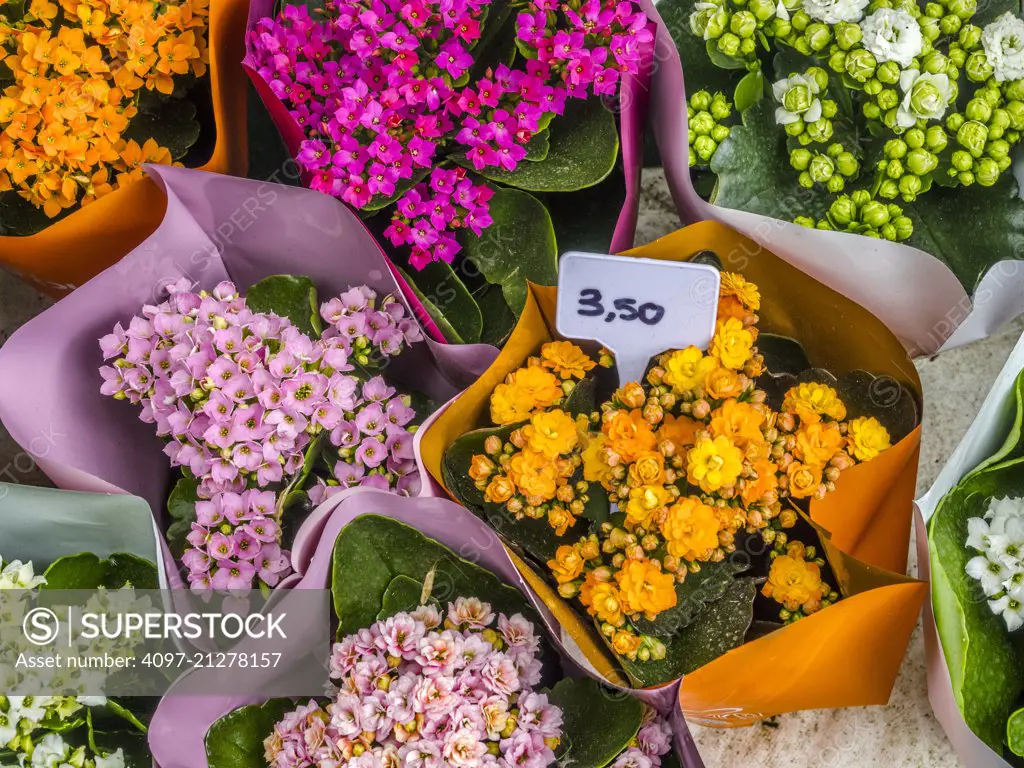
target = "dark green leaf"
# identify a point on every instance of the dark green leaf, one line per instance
(372, 550)
(443, 291)
(290, 296)
(268, 157)
(539, 146)
(181, 507)
(749, 91)
(172, 123)
(597, 723)
(403, 594)
(754, 173)
(990, 11)
(1015, 732)
(782, 354)
(498, 318)
(699, 590)
(126, 569)
(518, 246)
(83, 571)
(584, 145)
(586, 220)
(447, 329)
(985, 667)
(236, 740)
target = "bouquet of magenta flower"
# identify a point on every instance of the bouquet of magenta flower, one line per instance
(263, 412)
(438, 120)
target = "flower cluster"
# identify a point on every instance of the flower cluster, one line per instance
(705, 114)
(387, 90)
(999, 537)
(242, 397)
(693, 457)
(429, 690)
(795, 581)
(77, 79)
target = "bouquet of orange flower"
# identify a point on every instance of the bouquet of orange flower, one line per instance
(675, 510)
(91, 90)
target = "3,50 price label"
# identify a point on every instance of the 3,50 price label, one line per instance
(637, 308)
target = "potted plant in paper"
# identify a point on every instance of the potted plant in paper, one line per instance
(464, 678)
(474, 139)
(60, 729)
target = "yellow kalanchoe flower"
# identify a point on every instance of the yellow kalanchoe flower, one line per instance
(810, 401)
(603, 600)
(687, 369)
(714, 463)
(732, 344)
(566, 359)
(748, 294)
(794, 582)
(648, 469)
(867, 438)
(646, 502)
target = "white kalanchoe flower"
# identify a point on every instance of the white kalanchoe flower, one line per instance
(798, 95)
(926, 97)
(1003, 41)
(999, 537)
(19, 575)
(892, 34)
(702, 13)
(113, 760)
(834, 11)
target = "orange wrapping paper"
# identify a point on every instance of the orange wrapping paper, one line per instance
(75, 249)
(849, 653)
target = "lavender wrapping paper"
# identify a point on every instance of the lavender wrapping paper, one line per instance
(632, 107)
(178, 728)
(912, 292)
(215, 228)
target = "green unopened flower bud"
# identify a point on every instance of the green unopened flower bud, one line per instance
(921, 162)
(805, 180)
(800, 20)
(978, 109)
(957, 57)
(720, 133)
(1000, 119)
(969, 37)
(1004, 163)
(692, 156)
(795, 129)
(847, 34)
(954, 121)
(843, 211)
(819, 36)
(837, 61)
(934, 63)
(860, 65)
(991, 93)
(888, 72)
(820, 77)
(909, 187)
(929, 28)
(705, 147)
(836, 184)
(762, 9)
(889, 120)
(1015, 112)
(873, 87)
(914, 138)
(904, 227)
(895, 149)
(800, 159)
(822, 168)
(888, 189)
(986, 172)
(847, 164)
(874, 214)
(781, 28)
(804, 221)
(962, 161)
(702, 123)
(977, 67)
(964, 9)
(820, 130)
(934, 10)
(871, 110)
(743, 24)
(997, 149)
(717, 23)
(889, 99)
(966, 178)
(950, 24)
(701, 101)
(828, 108)
(935, 138)
(860, 197)
(720, 107)
(894, 169)
(1014, 90)
(972, 137)
(729, 44)
(747, 46)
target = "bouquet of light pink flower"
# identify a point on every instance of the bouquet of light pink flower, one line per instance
(443, 116)
(264, 411)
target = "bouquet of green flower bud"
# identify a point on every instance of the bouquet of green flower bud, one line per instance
(892, 119)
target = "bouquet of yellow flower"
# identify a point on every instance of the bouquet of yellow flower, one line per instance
(91, 90)
(677, 505)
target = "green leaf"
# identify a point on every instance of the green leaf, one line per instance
(290, 296)
(584, 145)
(1012, 413)
(990, 11)
(699, 590)
(132, 744)
(519, 246)
(719, 628)
(719, 59)
(1015, 732)
(754, 174)
(181, 507)
(447, 329)
(586, 220)
(539, 146)
(236, 740)
(498, 319)
(125, 569)
(403, 594)
(82, 571)
(597, 723)
(749, 91)
(170, 122)
(443, 291)
(782, 354)
(985, 666)
(371, 551)
(996, 214)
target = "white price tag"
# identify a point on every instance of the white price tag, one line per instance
(637, 308)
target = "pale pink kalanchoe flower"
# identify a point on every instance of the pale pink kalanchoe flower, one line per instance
(386, 90)
(239, 395)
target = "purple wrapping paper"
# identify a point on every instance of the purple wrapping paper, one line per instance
(176, 734)
(215, 228)
(633, 103)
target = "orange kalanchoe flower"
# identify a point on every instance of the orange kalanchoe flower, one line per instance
(78, 76)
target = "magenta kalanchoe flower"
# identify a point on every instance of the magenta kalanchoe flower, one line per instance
(240, 395)
(386, 89)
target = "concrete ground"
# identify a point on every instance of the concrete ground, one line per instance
(901, 735)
